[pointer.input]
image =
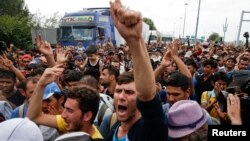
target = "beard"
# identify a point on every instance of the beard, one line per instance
(77, 126)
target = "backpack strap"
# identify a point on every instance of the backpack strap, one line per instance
(113, 120)
(114, 124)
(21, 109)
(103, 109)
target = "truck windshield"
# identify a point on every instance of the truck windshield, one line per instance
(167, 39)
(153, 37)
(78, 33)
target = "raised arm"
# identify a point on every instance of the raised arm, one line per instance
(181, 65)
(35, 106)
(46, 50)
(166, 61)
(129, 25)
(8, 64)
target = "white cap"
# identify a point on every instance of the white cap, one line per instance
(20, 129)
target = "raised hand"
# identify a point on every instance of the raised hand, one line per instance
(51, 74)
(43, 46)
(233, 109)
(53, 111)
(5, 61)
(174, 47)
(128, 22)
(167, 59)
(61, 55)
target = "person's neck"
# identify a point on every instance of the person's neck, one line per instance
(217, 92)
(192, 74)
(7, 95)
(229, 69)
(125, 126)
(89, 128)
(111, 87)
(206, 76)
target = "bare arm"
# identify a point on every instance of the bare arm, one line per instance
(35, 106)
(182, 67)
(7, 63)
(46, 50)
(166, 61)
(19, 75)
(129, 25)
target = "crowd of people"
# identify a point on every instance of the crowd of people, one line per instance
(136, 92)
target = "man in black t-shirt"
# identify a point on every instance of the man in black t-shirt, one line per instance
(7, 86)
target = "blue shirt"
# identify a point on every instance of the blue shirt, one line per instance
(15, 113)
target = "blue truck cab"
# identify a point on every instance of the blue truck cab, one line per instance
(90, 26)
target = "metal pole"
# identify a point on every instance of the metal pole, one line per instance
(225, 30)
(180, 28)
(184, 20)
(197, 22)
(241, 19)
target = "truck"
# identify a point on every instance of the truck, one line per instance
(91, 26)
(167, 38)
(155, 36)
(48, 34)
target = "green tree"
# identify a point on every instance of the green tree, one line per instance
(214, 37)
(15, 29)
(13, 8)
(15, 23)
(42, 21)
(150, 23)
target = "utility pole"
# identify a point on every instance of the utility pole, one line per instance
(241, 20)
(225, 26)
(197, 21)
(184, 20)
(180, 28)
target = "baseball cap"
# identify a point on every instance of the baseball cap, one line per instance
(26, 56)
(78, 58)
(20, 129)
(185, 117)
(188, 54)
(74, 136)
(50, 90)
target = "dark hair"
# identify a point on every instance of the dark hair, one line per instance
(72, 76)
(7, 74)
(3, 47)
(190, 62)
(89, 80)
(210, 62)
(29, 79)
(112, 71)
(125, 78)
(220, 76)
(177, 79)
(38, 71)
(244, 58)
(87, 98)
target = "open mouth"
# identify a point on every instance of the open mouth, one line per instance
(122, 108)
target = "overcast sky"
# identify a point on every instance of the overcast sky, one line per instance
(168, 15)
